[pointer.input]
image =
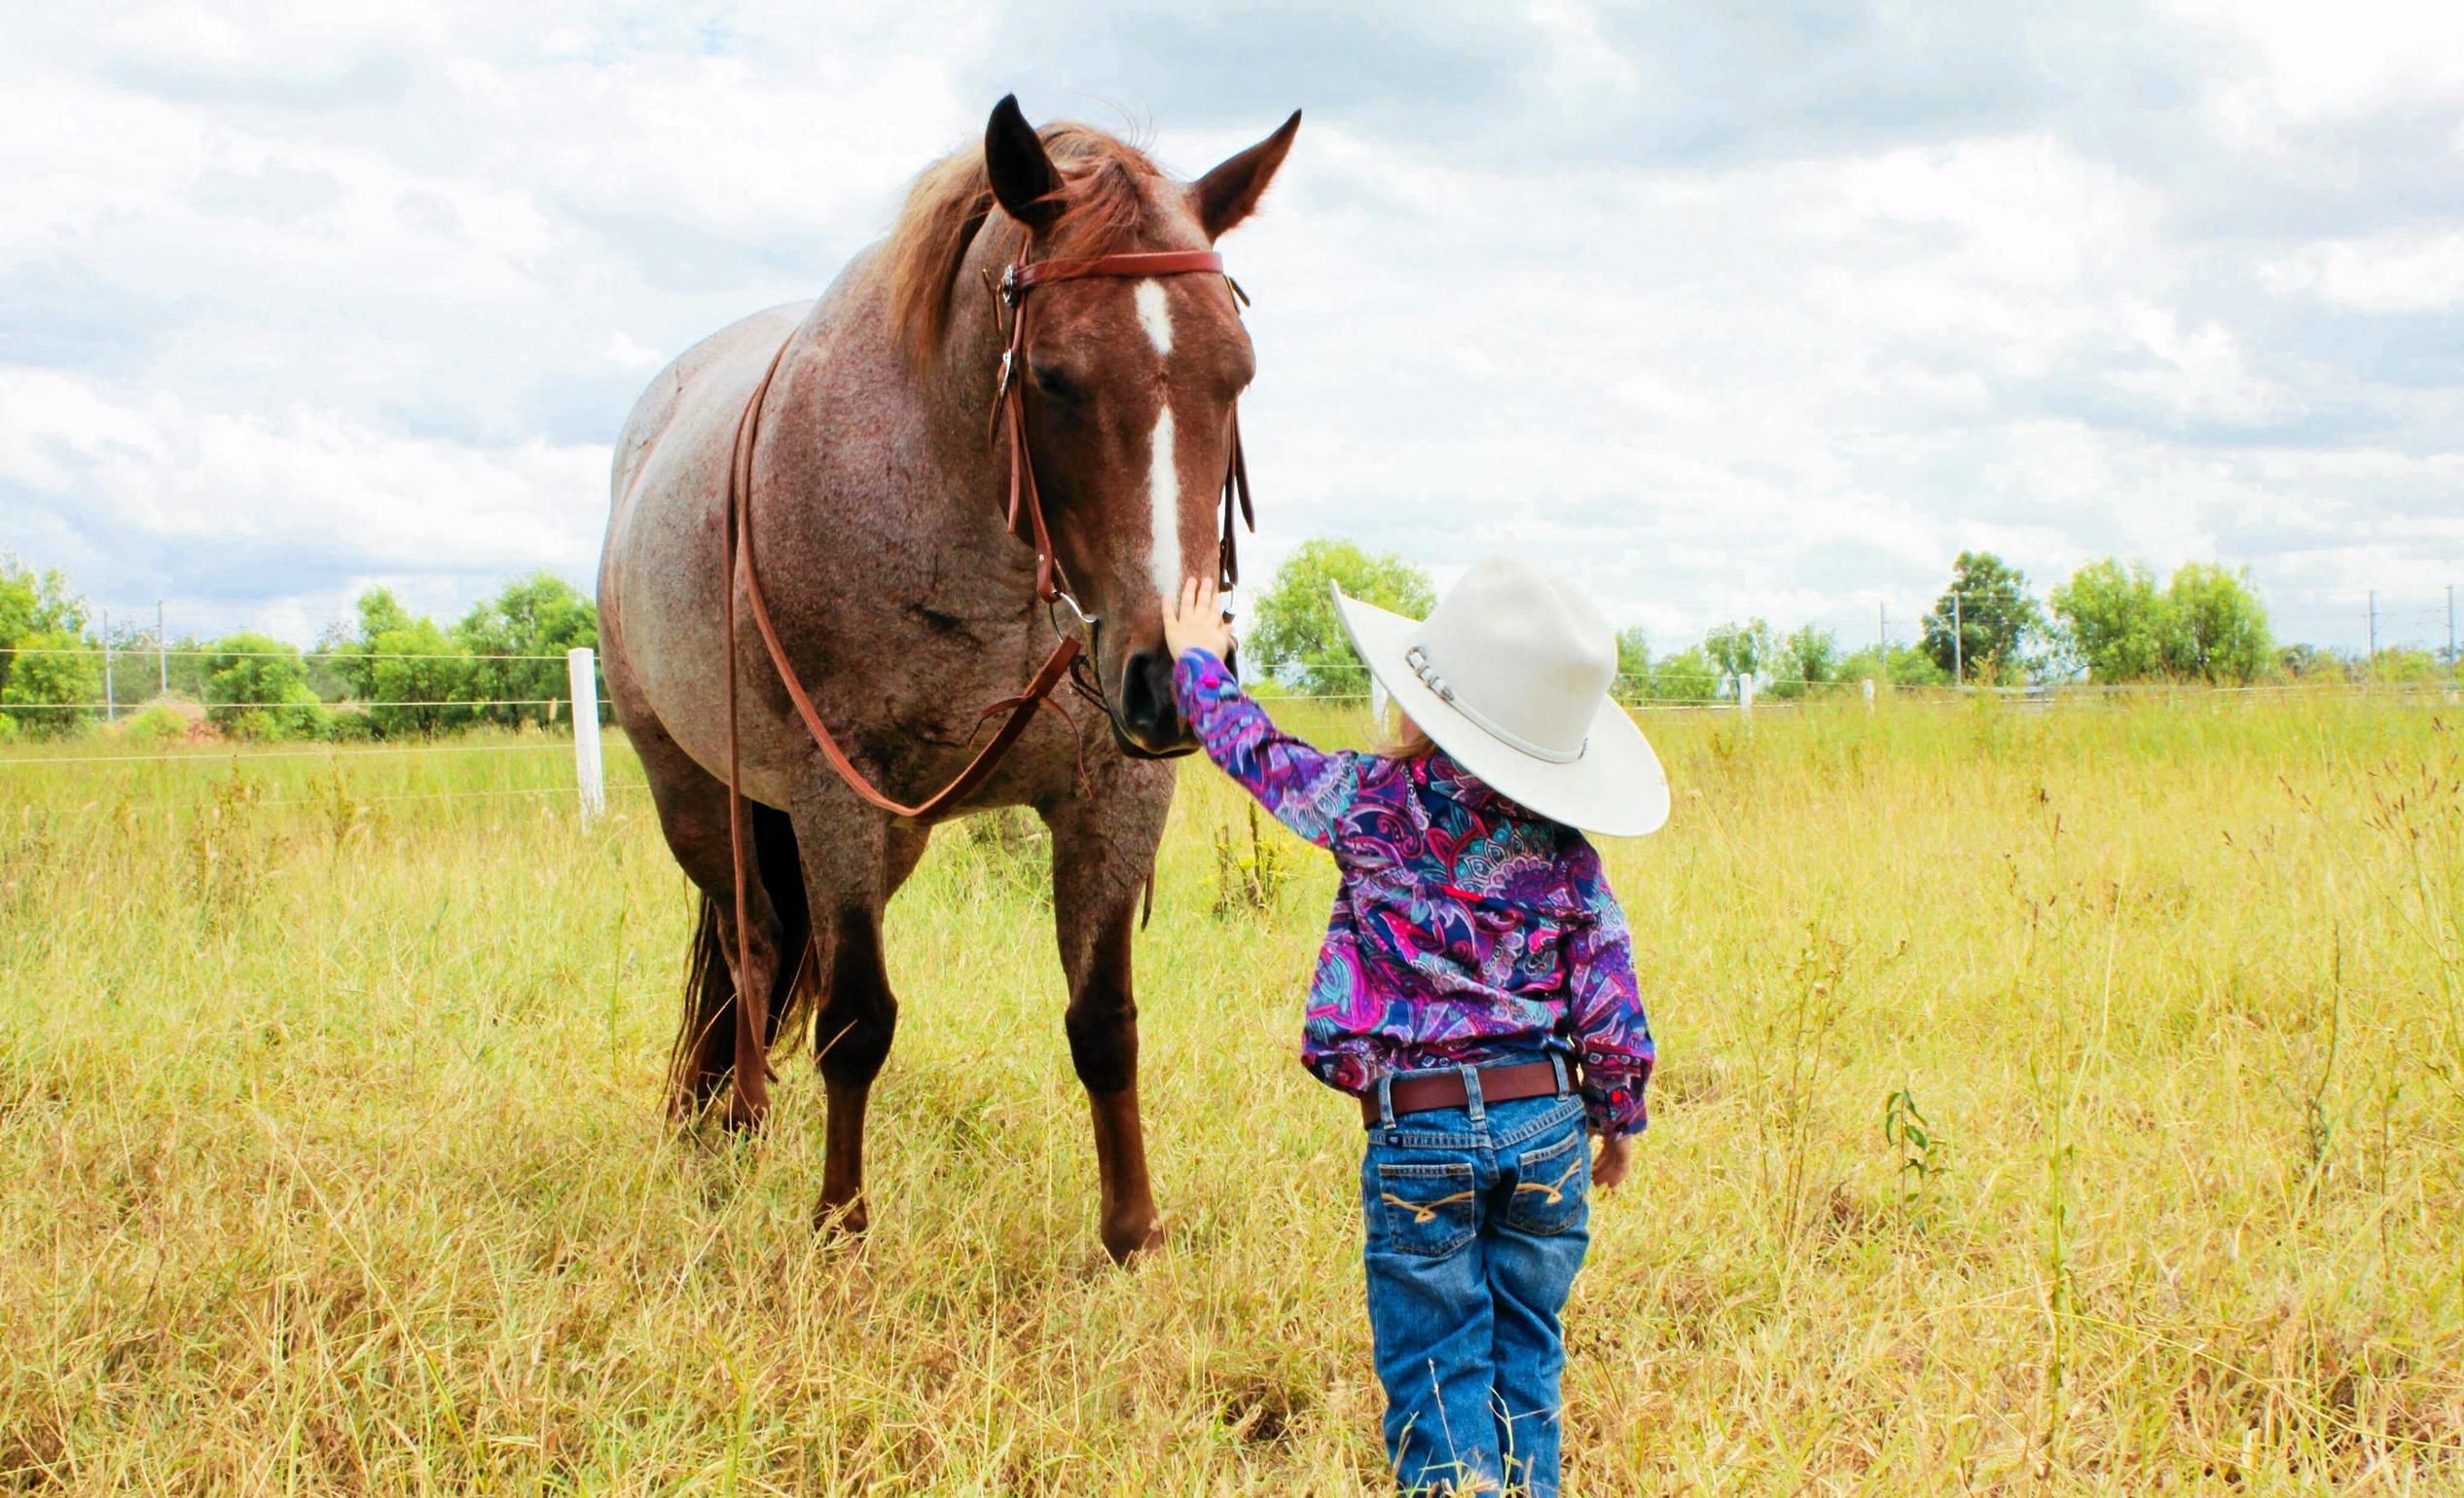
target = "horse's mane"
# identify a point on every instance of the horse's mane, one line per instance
(1102, 179)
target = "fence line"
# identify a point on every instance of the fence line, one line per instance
(407, 796)
(360, 703)
(370, 704)
(215, 754)
(271, 655)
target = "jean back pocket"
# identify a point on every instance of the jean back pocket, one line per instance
(1427, 1210)
(1553, 1184)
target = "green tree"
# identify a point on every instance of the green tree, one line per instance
(1899, 666)
(2309, 661)
(33, 603)
(2403, 664)
(1689, 675)
(2115, 620)
(420, 682)
(1294, 633)
(346, 667)
(1995, 617)
(1741, 649)
(54, 679)
(1807, 657)
(47, 668)
(538, 615)
(2216, 627)
(257, 687)
(1634, 655)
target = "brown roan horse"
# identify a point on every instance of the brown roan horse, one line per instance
(905, 602)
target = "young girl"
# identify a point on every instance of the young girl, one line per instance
(1476, 988)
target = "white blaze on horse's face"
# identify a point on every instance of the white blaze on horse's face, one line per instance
(1163, 473)
(1154, 315)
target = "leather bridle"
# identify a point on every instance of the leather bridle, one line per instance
(1025, 508)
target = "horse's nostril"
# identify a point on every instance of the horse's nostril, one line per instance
(1146, 703)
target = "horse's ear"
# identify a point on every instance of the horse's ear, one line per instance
(1230, 193)
(1023, 175)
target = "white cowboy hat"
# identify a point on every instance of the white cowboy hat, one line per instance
(1510, 677)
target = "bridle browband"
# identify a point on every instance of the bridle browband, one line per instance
(752, 1070)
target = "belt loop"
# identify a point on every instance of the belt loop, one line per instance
(1386, 1101)
(1557, 1059)
(1471, 1096)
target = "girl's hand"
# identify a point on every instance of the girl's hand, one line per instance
(1195, 620)
(1608, 1167)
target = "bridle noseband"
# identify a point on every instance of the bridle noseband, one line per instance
(752, 1092)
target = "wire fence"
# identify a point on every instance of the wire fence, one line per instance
(585, 784)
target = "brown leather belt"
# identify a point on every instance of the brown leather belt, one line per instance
(1422, 1091)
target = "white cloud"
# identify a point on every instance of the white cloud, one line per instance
(296, 297)
(2397, 272)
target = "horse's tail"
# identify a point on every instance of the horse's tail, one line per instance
(703, 1055)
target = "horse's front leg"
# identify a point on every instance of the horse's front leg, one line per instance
(1103, 846)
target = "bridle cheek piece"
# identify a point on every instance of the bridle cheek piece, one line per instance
(1009, 406)
(1009, 399)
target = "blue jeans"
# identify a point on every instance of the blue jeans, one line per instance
(1477, 1219)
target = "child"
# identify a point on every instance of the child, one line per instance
(1476, 989)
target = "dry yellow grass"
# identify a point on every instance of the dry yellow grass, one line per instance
(330, 1157)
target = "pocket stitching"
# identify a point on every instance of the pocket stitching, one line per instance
(1555, 1195)
(1423, 1214)
(1423, 1211)
(1557, 1191)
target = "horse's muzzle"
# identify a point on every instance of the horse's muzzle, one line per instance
(1149, 725)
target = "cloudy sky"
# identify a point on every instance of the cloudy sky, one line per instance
(1754, 309)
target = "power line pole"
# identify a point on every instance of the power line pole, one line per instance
(162, 653)
(1959, 659)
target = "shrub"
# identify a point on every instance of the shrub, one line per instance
(156, 723)
(54, 675)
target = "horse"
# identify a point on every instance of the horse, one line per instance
(893, 595)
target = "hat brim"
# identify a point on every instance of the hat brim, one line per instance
(1616, 788)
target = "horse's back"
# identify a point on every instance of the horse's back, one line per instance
(660, 572)
(708, 380)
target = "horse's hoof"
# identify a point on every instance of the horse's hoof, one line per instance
(841, 1219)
(1128, 1241)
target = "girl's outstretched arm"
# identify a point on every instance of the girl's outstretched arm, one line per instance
(1604, 1016)
(1305, 787)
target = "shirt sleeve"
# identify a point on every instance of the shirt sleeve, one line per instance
(1604, 1015)
(1306, 788)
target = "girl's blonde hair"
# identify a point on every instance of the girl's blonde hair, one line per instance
(1403, 739)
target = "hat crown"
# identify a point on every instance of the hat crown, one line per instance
(1526, 657)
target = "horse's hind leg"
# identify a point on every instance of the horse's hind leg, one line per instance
(692, 807)
(853, 862)
(1102, 847)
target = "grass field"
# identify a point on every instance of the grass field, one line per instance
(331, 1159)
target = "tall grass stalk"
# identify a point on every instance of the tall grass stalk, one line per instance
(331, 1157)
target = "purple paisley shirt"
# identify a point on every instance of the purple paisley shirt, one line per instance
(1466, 929)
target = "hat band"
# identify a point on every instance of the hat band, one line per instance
(1417, 658)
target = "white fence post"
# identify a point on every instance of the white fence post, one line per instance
(581, 666)
(1869, 694)
(1745, 691)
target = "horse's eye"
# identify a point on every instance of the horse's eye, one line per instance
(1055, 382)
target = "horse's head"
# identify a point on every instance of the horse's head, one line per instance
(1129, 385)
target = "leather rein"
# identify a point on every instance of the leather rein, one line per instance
(1026, 519)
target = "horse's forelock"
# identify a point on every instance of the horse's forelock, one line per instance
(1102, 191)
